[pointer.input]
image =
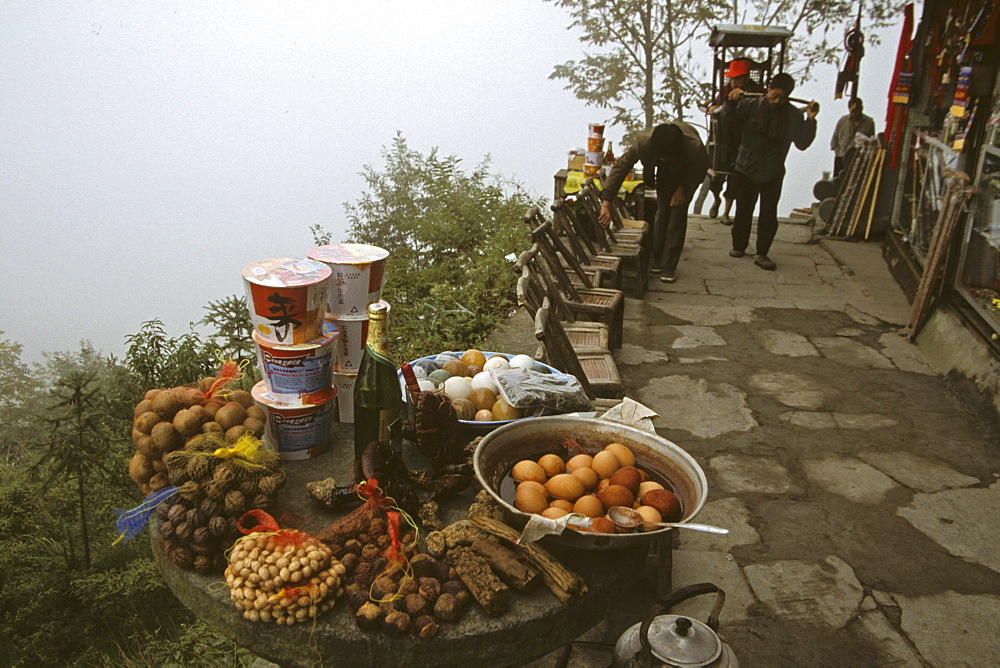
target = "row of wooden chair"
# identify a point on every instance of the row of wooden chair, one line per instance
(581, 322)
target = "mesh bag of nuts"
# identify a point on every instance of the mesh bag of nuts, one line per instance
(216, 484)
(281, 575)
(171, 419)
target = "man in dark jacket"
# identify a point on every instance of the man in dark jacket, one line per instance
(674, 161)
(769, 125)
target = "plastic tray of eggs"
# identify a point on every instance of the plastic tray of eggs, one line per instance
(464, 377)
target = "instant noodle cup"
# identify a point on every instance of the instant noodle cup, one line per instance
(299, 372)
(595, 143)
(297, 431)
(287, 298)
(357, 280)
(596, 129)
(351, 344)
(344, 383)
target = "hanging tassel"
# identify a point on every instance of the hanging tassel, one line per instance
(130, 523)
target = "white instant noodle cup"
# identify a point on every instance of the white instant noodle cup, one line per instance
(344, 383)
(287, 298)
(299, 372)
(596, 129)
(358, 274)
(297, 431)
(351, 344)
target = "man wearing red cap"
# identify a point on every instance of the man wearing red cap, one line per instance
(727, 140)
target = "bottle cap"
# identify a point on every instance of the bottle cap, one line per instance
(378, 308)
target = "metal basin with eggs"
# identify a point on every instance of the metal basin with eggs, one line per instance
(483, 426)
(499, 450)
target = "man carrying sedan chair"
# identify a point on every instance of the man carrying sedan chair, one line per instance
(674, 161)
(768, 124)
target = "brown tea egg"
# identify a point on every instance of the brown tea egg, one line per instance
(587, 477)
(528, 500)
(464, 409)
(533, 484)
(553, 513)
(622, 452)
(602, 525)
(616, 495)
(553, 464)
(474, 357)
(602, 485)
(627, 476)
(456, 368)
(649, 514)
(484, 415)
(665, 501)
(474, 369)
(528, 470)
(647, 486)
(565, 486)
(561, 503)
(588, 505)
(504, 411)
(579, 461)
(483, 399)
(605, 463)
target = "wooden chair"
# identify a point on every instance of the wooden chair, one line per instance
(583, 248)
(634, 257)
(598, 304)
(582, 276)
(532, 289)
(626, 229)
(596, 371)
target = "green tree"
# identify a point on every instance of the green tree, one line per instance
(20, 393)
(448, 233)
(78, 444)
(650, 56)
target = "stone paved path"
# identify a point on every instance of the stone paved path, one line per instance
(860, 486)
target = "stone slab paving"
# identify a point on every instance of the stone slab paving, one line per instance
(861, 488)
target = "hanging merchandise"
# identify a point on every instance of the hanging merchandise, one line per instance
(899, 94)
(854, 43)
(961, 100)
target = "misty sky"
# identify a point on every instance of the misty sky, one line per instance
(149, 150)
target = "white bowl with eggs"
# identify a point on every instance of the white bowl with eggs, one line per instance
(481, 379)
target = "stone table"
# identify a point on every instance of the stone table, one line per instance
(536, 623)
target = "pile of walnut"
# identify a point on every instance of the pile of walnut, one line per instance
(284, 577)
(168, 420)
(392, 599)
(196, 525)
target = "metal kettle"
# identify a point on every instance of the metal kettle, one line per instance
(676, 640)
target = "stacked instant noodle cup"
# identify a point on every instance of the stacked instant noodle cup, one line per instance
(357, 277)
(296, 351)
(595, 150)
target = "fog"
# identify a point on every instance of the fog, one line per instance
(148, 151)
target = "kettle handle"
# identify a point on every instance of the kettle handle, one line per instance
(675, 597)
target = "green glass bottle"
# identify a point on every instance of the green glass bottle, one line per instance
(377, 394)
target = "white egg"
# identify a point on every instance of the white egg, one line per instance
(419, 372)
(484, 379)
(522, 362)
(427, 385)
(498, 363)
(457, 387)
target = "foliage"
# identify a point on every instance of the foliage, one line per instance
(448, 233)
(57, 606)
(20, 389)
(229, 322)
(650, 56)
